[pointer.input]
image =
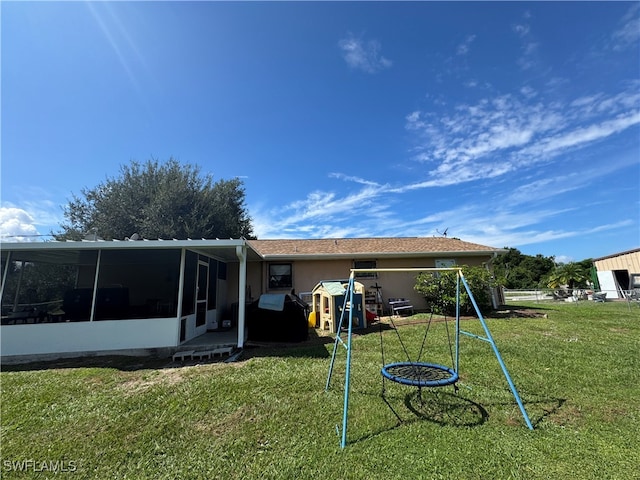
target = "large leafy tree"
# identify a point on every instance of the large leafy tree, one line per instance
(159, 200)
(518, 271)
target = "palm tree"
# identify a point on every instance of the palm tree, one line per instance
(570, 274)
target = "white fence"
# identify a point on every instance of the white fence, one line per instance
(546, 294)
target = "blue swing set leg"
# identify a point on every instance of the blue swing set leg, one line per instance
(347, 298)
(490, 340)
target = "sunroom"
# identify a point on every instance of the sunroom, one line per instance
(105, 296)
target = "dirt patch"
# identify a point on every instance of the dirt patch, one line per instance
(223, 424)
(566, 415)
(620, 330)
(167, 377)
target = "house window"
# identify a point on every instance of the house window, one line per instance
(365, 264)
(280, 275)
(445, 263)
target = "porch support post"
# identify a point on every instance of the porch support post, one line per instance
(241, 253)
(4, 275)
(92, 315)
(183, 257)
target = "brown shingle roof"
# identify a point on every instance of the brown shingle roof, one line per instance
(337, 247)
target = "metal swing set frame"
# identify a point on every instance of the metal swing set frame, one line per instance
(347, 313)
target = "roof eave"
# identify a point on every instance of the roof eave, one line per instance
(369, 255)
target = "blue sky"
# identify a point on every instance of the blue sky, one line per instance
(510, 124)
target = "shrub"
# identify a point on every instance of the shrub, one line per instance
(439, 290)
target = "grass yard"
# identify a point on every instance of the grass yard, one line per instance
(268, 416)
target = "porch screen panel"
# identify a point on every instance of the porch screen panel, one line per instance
(48, 286)
(137, 284)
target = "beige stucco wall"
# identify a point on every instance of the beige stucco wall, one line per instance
(307, 273)
(628, 261)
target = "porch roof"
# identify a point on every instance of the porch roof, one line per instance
(224, 250)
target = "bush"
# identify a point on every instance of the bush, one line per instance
(439, 290)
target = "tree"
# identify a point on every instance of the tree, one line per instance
(518, 271)
(439, 290)
(159, 200)
(571, 274)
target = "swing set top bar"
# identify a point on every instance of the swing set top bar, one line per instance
(411, 269)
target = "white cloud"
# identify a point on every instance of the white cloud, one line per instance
(322, 212)
(521, 29)
(361, 55)
(552, 146)
(529, 46)
(350, 178)
(463, 48)
(17, 225)
(629, 32)
(498, 135)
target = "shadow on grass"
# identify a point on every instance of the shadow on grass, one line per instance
(441, 408)
(445, 408)
(518, 311)
(451, 409)
(119, 362)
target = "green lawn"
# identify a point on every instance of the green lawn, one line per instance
(268, 416)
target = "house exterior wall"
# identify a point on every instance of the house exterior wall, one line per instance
(625, 261)
(306, 274)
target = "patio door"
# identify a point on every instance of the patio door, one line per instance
(202, 290)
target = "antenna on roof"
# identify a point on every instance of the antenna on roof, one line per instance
(133, 237)
(444, 234)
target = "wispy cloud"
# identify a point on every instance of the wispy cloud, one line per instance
(498, 135)
(529, 46)
(363, 55)
(351, 178)
(629, 31)
(320, 212)
(464, 47)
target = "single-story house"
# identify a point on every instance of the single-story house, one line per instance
(97, 297)
(301, 264)
(619, 273)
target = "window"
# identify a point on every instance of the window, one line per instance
(280, 275)
(445, 263)
(365, 264)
